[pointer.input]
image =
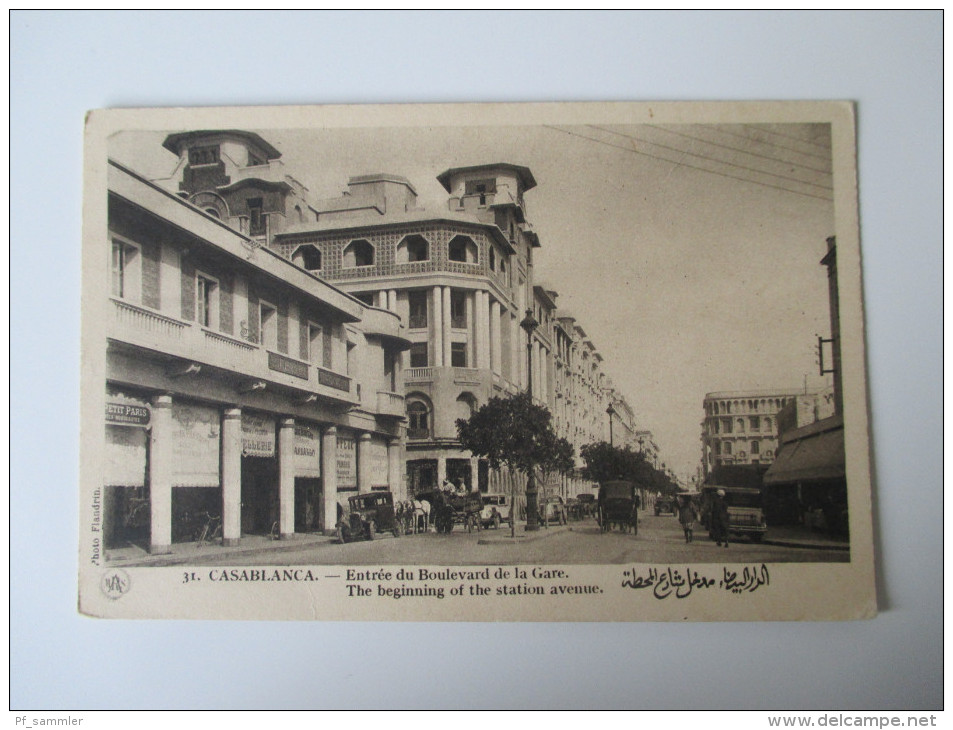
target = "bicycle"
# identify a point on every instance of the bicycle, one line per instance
(211, 530)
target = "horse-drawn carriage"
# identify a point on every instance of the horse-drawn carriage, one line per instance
(453, 508)
(617, 505)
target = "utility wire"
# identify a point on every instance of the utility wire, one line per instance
(738, 149)
(685, 164)
(713, 159)
(788, 136)
(749, 138)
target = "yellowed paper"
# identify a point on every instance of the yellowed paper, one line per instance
(285, 310)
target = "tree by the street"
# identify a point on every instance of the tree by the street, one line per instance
(517, 433)
(605, 462)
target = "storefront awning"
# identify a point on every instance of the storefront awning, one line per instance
(819, 456)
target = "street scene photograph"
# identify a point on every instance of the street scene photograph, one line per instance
(566, 343)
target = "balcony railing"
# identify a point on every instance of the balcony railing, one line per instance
(152, 330)
(419, 374)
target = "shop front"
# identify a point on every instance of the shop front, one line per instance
(125, 478)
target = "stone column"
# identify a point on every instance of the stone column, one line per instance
(160, 476)
(482, 336)
(496, 362)
(446, 326)
(364, 463)
(537, 390)
(517, 353)
(441, 471)
(329, 478)
(392, 300)
(437, 338)
(232, 476)
(170, 281)
(474, 472)
(286, 478)
(471, 328)
(394, 472)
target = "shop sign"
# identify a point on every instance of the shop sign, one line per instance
(307, 456)
(124, 413)
(258, 435)
(195, 446)
(346, 462)
(377, 462)
(125, 457)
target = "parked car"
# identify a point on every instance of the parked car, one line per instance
(496, 510)
(745, 511)
(553, 509)
(368, 514)
(664, 505)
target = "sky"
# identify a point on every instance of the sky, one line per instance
(689, 253)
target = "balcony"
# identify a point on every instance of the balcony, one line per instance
(146, 328)
(390, 404)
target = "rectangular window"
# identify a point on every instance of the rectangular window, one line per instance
(458, 354)
(726, 425)
(256, 218)
(418, 309)
(268, 315)
(418, 355)
(755, 423)
(206, 301)
(207, 155)
(458, 309)
(755, 447)
(126, 271)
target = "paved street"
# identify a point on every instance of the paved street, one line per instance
(660, 540)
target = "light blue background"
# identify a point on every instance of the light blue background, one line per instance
(63, 64)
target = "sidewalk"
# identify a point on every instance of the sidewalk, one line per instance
(191, 553)
(798, 536)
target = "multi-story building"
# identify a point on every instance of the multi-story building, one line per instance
(741, 427)
(237, 383)
(460, 278)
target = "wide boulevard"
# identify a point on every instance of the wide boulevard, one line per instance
(659, 540)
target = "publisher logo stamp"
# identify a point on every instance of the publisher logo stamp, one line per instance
(115, 583)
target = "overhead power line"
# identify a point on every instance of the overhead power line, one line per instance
(789, 136)
(713, 159)
(738, 149)
(684, 164)
(749, 138)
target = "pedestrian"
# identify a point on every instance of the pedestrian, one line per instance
(447, 486)
(719, 519)
(687, 516)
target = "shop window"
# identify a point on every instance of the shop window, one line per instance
(458, 354)
(417, 301)
(359, 253)
(206, 300)
(458, 309)
(463, 249)
(268, 314)
(308, 257)
(126, 275)
(413, 248)
(418, 355)
(418, 417)
(256, 218)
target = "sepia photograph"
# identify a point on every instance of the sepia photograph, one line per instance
(573, 335)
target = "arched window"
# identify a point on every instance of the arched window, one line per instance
(492, 259)
(418, 415)
(741, 424)
(413, 248)
(727, 448)
(308, 257)
(359, 253)
(463, 249)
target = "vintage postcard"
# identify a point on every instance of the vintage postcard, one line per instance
(474, 362)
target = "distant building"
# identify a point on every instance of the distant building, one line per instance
(741, 427)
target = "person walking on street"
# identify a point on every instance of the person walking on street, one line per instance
(686, 516)
(719, 519)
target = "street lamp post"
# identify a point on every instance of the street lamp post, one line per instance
(611, 411)
(529, 325)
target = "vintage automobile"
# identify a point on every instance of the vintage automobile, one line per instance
(368, 514)
(617, 506)
(664, 505)
(587, 503)
(745, 510)
(496, 510)
(553, 510)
